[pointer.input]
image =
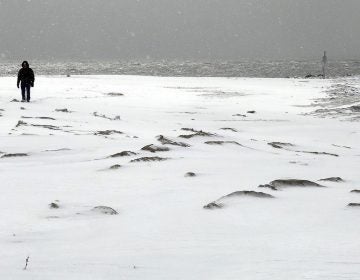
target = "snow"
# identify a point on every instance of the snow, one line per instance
(161, 230)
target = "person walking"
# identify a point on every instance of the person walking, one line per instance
(26, 79)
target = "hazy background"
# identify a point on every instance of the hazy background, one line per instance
(179, 29)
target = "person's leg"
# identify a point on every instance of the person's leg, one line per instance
(28, 93)
(23, 91)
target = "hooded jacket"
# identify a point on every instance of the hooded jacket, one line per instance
(26, 75)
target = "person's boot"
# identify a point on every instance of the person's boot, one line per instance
(22, 100)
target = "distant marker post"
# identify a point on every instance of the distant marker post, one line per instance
(324, 64)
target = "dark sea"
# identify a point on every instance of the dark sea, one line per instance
(264, 69)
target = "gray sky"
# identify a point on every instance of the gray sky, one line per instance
(184, 29)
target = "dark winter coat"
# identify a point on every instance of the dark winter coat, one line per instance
(26, 75)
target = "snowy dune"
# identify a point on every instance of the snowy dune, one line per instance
(162, 230)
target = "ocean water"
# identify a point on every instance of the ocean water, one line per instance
(266, 69)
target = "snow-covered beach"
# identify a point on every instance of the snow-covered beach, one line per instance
(234, 134)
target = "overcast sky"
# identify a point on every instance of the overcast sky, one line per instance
(183, 29)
